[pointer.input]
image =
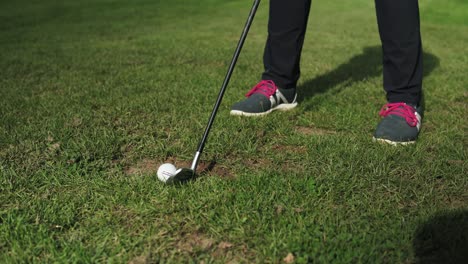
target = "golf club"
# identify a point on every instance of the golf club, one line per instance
(185, 174)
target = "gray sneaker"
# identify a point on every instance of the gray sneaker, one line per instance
(264, 98)
(400, 124)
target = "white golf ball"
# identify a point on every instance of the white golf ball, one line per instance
(166, 171)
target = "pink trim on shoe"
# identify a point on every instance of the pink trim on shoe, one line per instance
(400, 109)
(265, 87)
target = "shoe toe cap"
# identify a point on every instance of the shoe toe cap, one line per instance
(395, 128)
(253, 104)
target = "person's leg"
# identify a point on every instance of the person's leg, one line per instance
(286, 30)
(399, 28)
(398, 22)
(287, 25)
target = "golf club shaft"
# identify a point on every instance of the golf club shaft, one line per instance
(201, 145)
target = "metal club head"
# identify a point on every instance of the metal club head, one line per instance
(181, 175)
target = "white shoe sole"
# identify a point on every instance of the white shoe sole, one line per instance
(393, 143)
(281, 107)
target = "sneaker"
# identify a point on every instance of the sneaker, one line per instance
(400, 124)
(264, 98)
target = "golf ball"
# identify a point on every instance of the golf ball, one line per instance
(166, 171)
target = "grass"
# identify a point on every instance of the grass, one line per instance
(95, 95)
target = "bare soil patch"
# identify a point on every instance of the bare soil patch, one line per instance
(195, 242)
(310, 131)
(150, 166)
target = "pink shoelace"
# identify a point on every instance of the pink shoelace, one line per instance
(265, 87)
(400, 109)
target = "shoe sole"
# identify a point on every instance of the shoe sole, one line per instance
(393, 143)
(281, 107)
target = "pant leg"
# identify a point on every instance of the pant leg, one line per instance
(399, 29)
(286, 30)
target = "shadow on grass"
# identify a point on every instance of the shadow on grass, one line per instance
(443, 239)
(366, 65)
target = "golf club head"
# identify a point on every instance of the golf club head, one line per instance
(181, 175)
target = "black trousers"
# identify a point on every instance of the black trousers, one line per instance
(399, 29)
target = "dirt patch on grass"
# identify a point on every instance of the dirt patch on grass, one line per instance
(195, 242)
(146, 166)
(139, 260)
(211, 168)
(224, 251)
(310, 131)
(150, 166)
(289, 258)
(227, 251)
(257, 163)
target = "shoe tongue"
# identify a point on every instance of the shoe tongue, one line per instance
(267, 90)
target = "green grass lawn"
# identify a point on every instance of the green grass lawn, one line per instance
(96, 94)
